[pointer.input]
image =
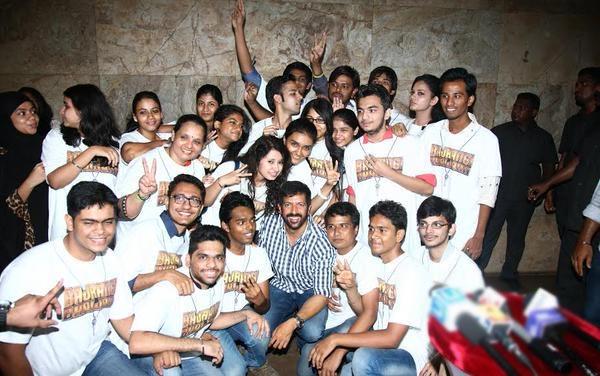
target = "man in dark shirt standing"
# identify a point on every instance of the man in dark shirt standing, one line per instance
(524, 146)
(588, 82)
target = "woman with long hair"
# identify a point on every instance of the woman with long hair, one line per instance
(261, 172)
(344, 130)
(23, 188)
(232, 127)
(84, 148)
(424, 104)
(142, 131)
(323, 156)
(208, 99)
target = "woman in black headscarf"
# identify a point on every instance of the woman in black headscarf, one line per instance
(23, 190)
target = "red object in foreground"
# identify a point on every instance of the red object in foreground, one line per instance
(475, 361)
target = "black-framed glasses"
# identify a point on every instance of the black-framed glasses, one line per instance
(182, 199)
(316, 120)
(434, 225)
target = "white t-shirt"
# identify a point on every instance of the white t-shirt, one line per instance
(398, 117)
(211, 156)
(261, 97)
(414, 129)
(136, 137)
(404, 299)
(162, 310)
(56, 153)
(166, 170)
(319, 156)
(402, 154)
(239, 268)
(365, 266)
(459, 161)
(211, 215)
(94, 292)
(147, 247)
(303, 173)
(256, 132)
(454, 269)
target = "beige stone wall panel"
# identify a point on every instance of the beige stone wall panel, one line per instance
(165, 38)
(48, 37)
(417, 40)
(280, 32)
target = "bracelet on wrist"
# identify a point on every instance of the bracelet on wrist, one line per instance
(315, 76)
(76, 165)
(220, 185)
(140, 197)
(320, 194)
(585, 242)
(124, 207)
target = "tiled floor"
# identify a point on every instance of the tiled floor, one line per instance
(285, 363)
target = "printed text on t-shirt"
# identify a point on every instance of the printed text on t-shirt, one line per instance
(364, 173)
(387, 293)
(167, 261)
(456, 160)
(94, 297)
(194, 321)
(234, 280)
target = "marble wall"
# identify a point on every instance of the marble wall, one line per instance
(172, 47)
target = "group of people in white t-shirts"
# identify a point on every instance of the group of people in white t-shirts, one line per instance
(403, 201)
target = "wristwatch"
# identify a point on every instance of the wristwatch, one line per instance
(5, 306)
(299, 321)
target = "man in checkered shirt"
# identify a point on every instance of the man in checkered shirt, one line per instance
(302, 259)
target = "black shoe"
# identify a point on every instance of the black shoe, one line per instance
(512, 284)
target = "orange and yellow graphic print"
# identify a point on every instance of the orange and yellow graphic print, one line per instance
(455, 160)
(94, 297)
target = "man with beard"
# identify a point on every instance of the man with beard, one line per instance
(173, 328)
(301, 258)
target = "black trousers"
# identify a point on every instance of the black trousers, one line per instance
(570, 287)
(516, 214)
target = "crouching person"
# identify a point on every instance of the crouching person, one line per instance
(179, 335)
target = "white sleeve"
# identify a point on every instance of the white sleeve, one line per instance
(131, 251)
(255, 132)
(488, 190)
(54, 151)
(366, 276)
(128, 180)
(153, 310)
(14, 284)
(265, 272)
(122, 306)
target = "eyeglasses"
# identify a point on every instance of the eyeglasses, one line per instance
(182, 199)
(313, 120)
(434, 225)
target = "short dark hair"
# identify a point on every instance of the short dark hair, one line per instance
(344, 209)
(460, 74)
(392, 210)
(593, 72)
(346, 70)
(301, 125)
(292, 188)
(205, 233)
(234, 200)
(89, 193)
(185, 178)
(434, 206)
(299, 66)
(388, 72)
(194, 119)
(534, 100)
(274, 87)
(211, 90)
(376, 90)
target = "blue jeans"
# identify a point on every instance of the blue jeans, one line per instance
(232, 364)
(256, 348)
(370, 361)
(304, 368)
(591, 311)
(284, 305)
(110, 361)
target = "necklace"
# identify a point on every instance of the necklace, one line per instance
(82, 286)
(376, 177)
(210, 303)
(236, 291)
(448, 169)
